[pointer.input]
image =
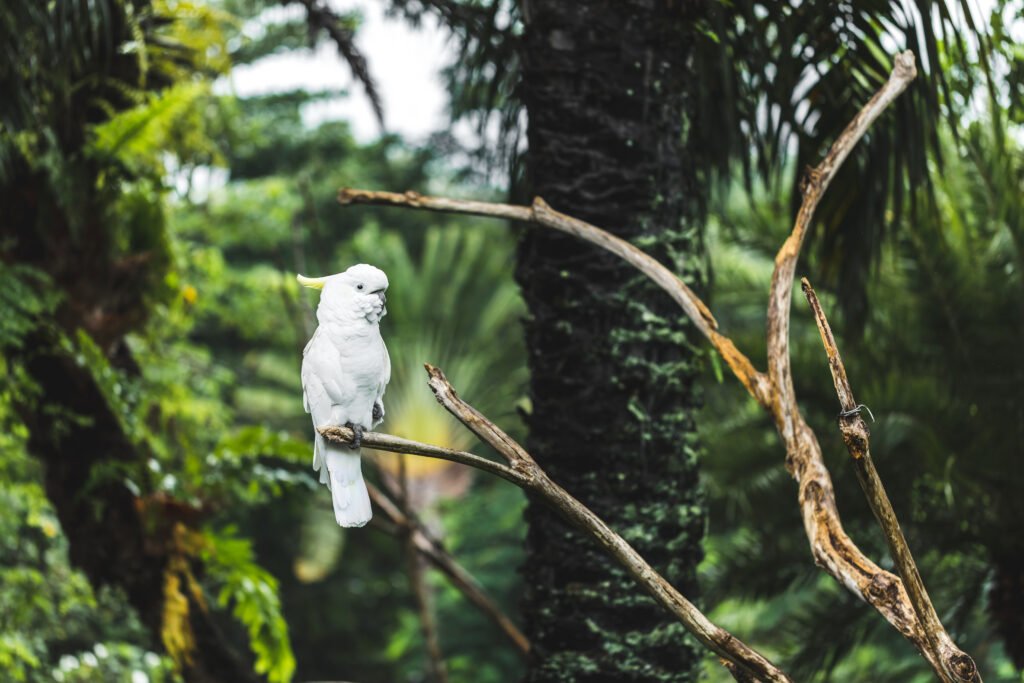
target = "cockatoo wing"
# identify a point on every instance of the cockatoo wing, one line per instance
(385, 378)
(331, 398)
(315, 399)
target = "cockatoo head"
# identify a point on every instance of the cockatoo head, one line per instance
(355, 294)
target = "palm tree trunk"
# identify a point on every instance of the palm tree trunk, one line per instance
(612, 388)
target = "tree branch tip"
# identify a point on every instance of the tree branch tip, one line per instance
(906, 66)
(805, 285)
(435, 373)
(439, 384)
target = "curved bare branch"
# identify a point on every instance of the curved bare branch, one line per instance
(523, 470)
(831, 548)
(856, 435)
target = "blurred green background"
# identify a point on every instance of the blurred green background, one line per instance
(230, 196)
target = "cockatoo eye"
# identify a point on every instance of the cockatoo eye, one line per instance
(359, 287)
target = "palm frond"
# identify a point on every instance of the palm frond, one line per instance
(342, 32)
(484, 77)
(783, 80)
(779, 81)
(272, 38)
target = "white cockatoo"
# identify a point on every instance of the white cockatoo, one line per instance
(345, 369)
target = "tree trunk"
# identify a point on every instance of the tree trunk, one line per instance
(613, 374)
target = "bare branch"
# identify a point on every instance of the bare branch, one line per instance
(815, 183)
(523, 471)
(433, 550)
(959, 665)
(831, 548)
(541, 214)
(536, 480)
(395, 444)
(415, 200)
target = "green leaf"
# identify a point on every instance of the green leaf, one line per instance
(251, 591)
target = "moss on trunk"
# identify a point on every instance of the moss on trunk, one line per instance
(611, 360)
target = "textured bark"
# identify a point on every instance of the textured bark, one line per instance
(612, 379)
(832, 549)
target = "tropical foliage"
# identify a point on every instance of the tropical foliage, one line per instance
(152, 229)
(935, 362)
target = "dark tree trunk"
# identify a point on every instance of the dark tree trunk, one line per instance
(612, 368)
(1006, 604)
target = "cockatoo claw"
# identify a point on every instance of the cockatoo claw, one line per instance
(357, 435)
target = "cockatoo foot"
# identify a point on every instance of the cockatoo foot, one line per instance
(378, 411)
(357, 435)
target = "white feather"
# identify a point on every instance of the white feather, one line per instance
(345, 370)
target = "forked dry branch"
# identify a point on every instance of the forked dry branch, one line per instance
(521, 469)
(857, 438)
(831, 548)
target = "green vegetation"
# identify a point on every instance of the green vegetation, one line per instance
(936, 363)
(158, 515)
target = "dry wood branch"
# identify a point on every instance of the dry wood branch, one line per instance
(434, 551)
(395, 444)
(716, 638)
(815, 183)
(528, 475)
(542, 214)
(856, 435)
(831, 548)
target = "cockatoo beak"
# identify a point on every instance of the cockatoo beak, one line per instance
(311, 282)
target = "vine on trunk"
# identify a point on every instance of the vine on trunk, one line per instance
(912, 615)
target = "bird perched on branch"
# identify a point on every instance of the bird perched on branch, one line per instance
(345, 369)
